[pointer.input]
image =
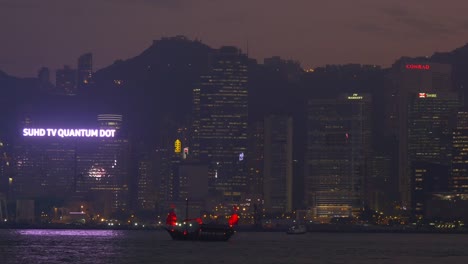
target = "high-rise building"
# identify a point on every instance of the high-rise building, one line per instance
(429, 132)
(65, 81)
(66, 165)
(429, 140)
(146, 187)
(220, 124)
(427, 178)
(85, 71)
(113, 121)
(5, 167)
(380, 187)
(192, 181)
(459, 173)
(256, 157)
(406, 78)
(169, 157)
(288, 68)
(338, 148)
(43, 77)
(164, 178)
(278, 164)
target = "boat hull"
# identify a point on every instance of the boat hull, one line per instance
(297, 230)
(202, 233)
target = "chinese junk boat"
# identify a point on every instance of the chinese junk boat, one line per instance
(195, 229)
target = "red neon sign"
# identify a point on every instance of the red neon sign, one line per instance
(422, 95)
(418, 66)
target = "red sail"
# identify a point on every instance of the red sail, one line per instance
(171, 219)
(233, 219)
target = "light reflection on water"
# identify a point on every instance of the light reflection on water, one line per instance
(65, 232)
(109, 246)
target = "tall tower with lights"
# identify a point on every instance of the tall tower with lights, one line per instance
(220, 123)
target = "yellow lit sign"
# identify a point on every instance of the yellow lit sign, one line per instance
(355, 97)
(177, 146)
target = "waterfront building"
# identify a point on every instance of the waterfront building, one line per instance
(63, 166)
(256, 159)
(406, 78)
(380, 185)
(429, 144)
(447, 206)
(459, 166)
(338, 148)
(146, 186)
(278, 164)
(220, 122)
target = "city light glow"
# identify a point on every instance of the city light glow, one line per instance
(427, 95)
(61, 132)
(418, 67)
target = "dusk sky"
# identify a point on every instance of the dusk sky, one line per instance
(36, 33)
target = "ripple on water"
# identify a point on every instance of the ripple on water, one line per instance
(109, 246)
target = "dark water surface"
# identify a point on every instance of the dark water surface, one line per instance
(108, 246)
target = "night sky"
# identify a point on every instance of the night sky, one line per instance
(52, 33)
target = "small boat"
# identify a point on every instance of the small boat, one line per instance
(297, 230)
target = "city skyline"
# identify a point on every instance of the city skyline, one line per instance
(311, 33)
(128, 123)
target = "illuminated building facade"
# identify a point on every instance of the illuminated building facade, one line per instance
(220, 122)
(406, 78)
(113, 121)
(459, 173)
(168, 158)
(338, 147)
(429, 140)
(278, 162)
(73, 168)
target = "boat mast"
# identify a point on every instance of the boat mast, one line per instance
(186, 213)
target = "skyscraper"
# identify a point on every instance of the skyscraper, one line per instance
(459, 173)
(278, 168)
(220, 123)
(65, 81)
(338, 147)
(256, 158)
(429, 138)
(5, 167)
(73, 165)
(406, 78)
(85, 71)
(429, 132)
(43, 77)
(146, 187)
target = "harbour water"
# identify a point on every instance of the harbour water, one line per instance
(121, 246)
